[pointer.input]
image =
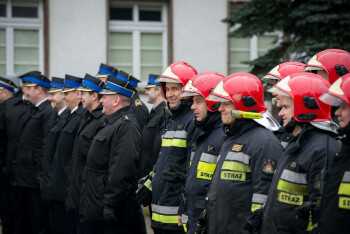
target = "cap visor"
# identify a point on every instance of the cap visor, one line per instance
(85, 89)
(107, 92)
(149, 86)
(29, 84)
(54, 90)
(331, 100)
(65, 89)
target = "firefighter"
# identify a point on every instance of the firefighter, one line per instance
(110, 178)
(205, 149)
(248, 156)
(272, 77)
(298, 174)
(335, 206)
(92, 120)
(166, 196)
(139, 109)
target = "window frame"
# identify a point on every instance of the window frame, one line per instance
(137, 27)
(22, 23)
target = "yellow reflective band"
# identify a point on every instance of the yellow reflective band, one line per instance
(205, 170)
(148, 184)
(344, 203)
(255, 207)
(165, 218)
(235, 166)
(185, 227)
(344, 189)
(290, 198)
(300, 189)
(233, 175)
(174, 142)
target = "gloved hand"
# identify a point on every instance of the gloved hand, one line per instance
(144, 195)
(303, 211)
(254, 221)
(141, 181)
(109, 215)
(174, 173)
(202, 223)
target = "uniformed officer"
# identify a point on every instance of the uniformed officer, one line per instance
(26, 163)
(93, 119)
(205, 149)
(154, 126)
(298, 174)
(110, 177)
(166, 196)
(248, 156)
(7, 91)
(335, 205)
(272, 77)
(137, 106)
(61, 161)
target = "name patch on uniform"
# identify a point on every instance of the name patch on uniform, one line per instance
(233, 175)
(344, 203)
(269, 166)
(204, 175)
(290, 198)
(138, 102)
(237, 147)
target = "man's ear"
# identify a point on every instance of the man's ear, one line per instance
(116, 100)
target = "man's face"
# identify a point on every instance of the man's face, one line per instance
(323, 73)
(199, 108)
(152, 94)
(173, 91)
(287, 111)
(31, 94)
(2, 95)
(279, 98)
(343, 114)
(57, 100)
(225, 110)
(108, 103)
(72, 99)
(87, 100)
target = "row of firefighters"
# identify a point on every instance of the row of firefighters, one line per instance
(80, 155)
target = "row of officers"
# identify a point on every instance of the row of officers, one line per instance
(81, 155)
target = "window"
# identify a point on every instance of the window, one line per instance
(138, 38)
(246, 49)
(21, 36)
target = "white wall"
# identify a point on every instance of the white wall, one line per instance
(200, 38)
(78, 32)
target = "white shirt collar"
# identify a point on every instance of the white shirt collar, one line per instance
(38, 104)
(74, 109)
(60, 111)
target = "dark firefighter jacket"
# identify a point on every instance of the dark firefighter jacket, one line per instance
(297, 179)
(335, 208)
(58, 184)
(87, 130)
(243, 175)
(26, 168)
(166, 197)
(49, 152)
(110, 177)
(204, 154)
(139, 109)
(16, 113)
(151, 138)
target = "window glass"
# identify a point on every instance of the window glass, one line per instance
(26, 50)
(120, 13)
(265, 43)
(120, 50)
(2, 52)
(151, 54)
(2, 8)
(239, 52)
(28, 9)
(147, 13)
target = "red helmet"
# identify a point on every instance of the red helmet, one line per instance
(202, 84)
(281, 71)
(244, 90)
(333, 61)
(338, 92)
(305, 89)
(179, 72)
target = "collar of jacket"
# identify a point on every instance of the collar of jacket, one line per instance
(65, 113)
(160, 107)
(211, 122)
(97, 112)
(182, 108)
(239, 127)
(116, 115)
(43, 104)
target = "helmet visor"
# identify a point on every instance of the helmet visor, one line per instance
(331, 99)
(214, 98)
